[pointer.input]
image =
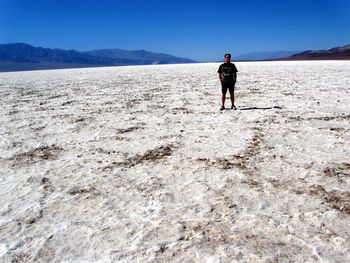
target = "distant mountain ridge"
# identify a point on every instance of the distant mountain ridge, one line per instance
(21, 56)
(141, 56)
(337, 53)
(264, 55)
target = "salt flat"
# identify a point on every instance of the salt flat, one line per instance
(137, 164)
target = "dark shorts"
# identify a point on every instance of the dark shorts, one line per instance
(228, 85)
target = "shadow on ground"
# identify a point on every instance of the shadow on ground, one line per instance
(261, 108)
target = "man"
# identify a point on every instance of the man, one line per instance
(228, 75)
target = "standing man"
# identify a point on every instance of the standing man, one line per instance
(228, 75)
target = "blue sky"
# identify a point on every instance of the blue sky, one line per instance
(201, 30)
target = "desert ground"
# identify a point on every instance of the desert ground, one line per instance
(137, 164)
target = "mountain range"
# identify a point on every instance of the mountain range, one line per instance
(20, 56)
(337, 53)
(264, 55)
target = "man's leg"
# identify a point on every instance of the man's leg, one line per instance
(223, 98)
(232, 95)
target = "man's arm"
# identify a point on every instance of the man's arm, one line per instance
(220, 78)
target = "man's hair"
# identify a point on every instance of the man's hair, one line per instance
(229, 55)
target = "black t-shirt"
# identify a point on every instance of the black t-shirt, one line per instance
(228, 72)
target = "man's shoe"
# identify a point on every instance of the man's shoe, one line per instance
(233, 107)
(222, 107)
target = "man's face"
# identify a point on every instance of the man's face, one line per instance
(227, 59)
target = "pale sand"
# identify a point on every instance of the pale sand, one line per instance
(137, 164)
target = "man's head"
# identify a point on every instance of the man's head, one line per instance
(227, 58)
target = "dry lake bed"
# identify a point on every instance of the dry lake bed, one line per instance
(137, 164)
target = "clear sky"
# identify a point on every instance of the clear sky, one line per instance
(201, 30)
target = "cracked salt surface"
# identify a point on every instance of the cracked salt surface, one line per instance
(137, 164)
